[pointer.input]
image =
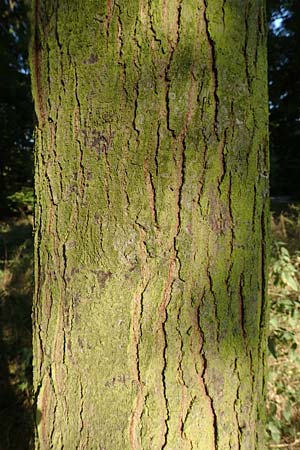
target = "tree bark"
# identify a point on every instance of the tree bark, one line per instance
(151, 224)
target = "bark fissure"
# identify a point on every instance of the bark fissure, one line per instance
(121, 53)
(137, 314)
(168, 79)
(125, 189)
(235, 403)
(214, 298)
(213, 63)
(109, 13)
(82, 178)
(81, 420)
(211, 401)
(184, 419)
(245, 46)
(223, 12)
(242, 307)
(157, 146)
(166, 298)
(152, 27)
(152, 197)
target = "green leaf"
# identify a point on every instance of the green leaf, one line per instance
(275, 432)
(293, 284)
(285, 252)
(287, 412)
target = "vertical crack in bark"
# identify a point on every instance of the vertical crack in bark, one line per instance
(223, 163)
(237, 399)
(201, 181)
(81, 403)
(109, 13)
(185, 405)
(135, 107)
(46, 308)
(214, 70)
(245, 46)
(223, 13)
(167, 293)
(76, 86)
(107, 179)
(65, 285)
(39, 281)
(151, 22)
(213, 294)
(180, 178)
(202, 374)
(52, 195)
(52, 397)
(174, 258)
(48, 72)
(184, 419)
(254, 209)
(120, 48)
(242, 307)
(201, 101)
(64, 264)
(61, 78)
(263, 306)
(252, 373)
(164, 9)
(125, 189)
(53, 120)
(82, 179)
(263, 270)
(151, 196)
(180, 162)
(157, 148)
(211, 401)
(251, 145)
(257, 46)
(168, 84)
(167, 70)
(125, 180)
(136, 86)
(232, 223)
(135, 419)
(181, 165)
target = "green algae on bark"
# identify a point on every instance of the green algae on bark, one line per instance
(151, 224)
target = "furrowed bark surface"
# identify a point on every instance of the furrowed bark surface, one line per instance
(151, 224)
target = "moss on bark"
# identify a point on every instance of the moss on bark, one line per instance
(151, 224)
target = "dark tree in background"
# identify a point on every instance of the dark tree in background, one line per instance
(284, 93)
(16, 110)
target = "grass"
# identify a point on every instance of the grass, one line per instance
(16, 290)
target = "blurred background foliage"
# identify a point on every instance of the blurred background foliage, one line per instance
(283, 401)
(16, 244)
(284, 94)
(16, 106)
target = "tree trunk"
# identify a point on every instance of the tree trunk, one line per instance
(151, 223)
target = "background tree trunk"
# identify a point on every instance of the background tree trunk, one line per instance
(151, 218)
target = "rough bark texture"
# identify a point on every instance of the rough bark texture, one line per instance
(151, 219)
